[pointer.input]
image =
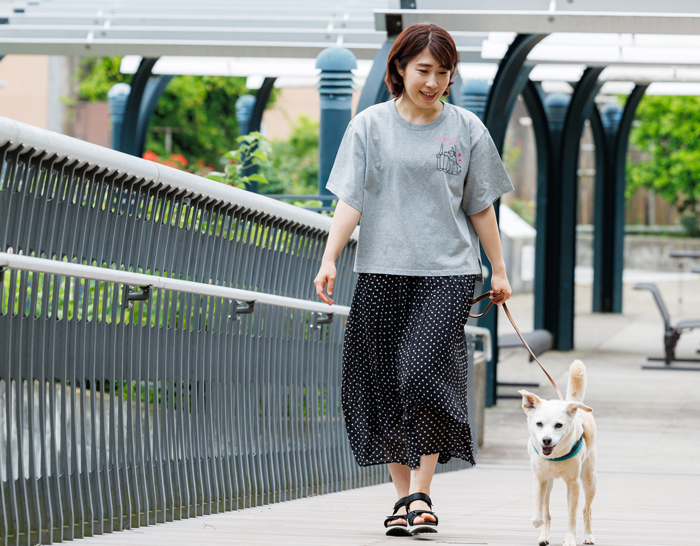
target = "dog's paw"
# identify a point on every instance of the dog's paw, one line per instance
(588, 539)
(543, 541)
(569, 541)
(537, 521)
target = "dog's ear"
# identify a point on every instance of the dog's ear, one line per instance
(530, 401)
(573, 406)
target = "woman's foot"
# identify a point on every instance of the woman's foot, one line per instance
(400, 521)
(395, 524)
(417, 506)
(420, 517)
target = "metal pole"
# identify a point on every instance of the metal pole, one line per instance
(118, 96)
(336, 65)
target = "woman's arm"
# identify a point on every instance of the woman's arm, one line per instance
(345, 220)
(486, 227)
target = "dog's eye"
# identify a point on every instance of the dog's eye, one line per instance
(558, 425)
(539, 424)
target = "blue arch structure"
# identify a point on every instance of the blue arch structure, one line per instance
(511, 78)
(146, 90)
(546, 145)
(562, 255)
(611, 138)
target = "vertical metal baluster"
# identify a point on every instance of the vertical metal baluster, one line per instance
(172, 438)
(122, 399)
(230, 361)
(143, 478)
(45, 409)
(83, 333)
(5, 426)
(19, 510)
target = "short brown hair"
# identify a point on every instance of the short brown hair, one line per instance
(410, 43)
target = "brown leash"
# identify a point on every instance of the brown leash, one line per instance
(517, 331)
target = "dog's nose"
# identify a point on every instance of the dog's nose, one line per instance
(546, 441)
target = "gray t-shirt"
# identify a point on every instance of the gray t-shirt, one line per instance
(416, 186)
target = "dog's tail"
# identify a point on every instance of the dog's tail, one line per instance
(576, 389)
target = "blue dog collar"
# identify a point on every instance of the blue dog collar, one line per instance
(574, 450)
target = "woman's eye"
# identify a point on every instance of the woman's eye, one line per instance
(558, 425)
(423, 71)
(539, 425)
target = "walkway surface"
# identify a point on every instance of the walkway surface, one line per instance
(648, 454)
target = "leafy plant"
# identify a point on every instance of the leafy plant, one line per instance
(668, 129)
(253, 151)
(691, 225)
(293, 165)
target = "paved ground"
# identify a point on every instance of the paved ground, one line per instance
(648, 454)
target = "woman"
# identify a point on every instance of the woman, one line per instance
(423, 175)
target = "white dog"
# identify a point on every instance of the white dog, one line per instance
(562, 445)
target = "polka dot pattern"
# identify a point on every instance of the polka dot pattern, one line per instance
(404, 389)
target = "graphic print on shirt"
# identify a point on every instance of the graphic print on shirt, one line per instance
(448, 161)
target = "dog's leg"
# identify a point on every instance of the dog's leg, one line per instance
(544, 535)
(588, 480)
(573, 489)
(538, 490)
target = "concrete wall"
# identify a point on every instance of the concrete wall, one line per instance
(644, 252)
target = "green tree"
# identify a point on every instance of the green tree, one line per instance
(668, 130)
(96, 76)
(293, 165)
(199, 111)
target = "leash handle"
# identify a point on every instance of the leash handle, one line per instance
(517, 331)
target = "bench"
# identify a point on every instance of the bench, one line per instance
(538, 340)
(672, 333)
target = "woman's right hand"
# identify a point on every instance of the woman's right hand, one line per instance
(326, 275)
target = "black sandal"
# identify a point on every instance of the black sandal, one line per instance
(397, 529)
(426, 526)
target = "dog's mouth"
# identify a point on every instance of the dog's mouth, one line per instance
(547, 450)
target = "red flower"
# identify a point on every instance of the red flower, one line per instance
(151, 156)
(179, 158)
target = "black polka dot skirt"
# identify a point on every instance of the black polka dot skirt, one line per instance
(404, 390)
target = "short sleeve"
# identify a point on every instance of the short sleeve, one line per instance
(486, 178)
(347, 179)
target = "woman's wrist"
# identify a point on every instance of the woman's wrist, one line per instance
(499, 269)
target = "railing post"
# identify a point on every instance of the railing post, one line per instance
(336, 65)
(118, 96)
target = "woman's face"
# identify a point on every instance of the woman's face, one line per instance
(424, 80)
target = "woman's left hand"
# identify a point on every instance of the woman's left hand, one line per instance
(500, 289)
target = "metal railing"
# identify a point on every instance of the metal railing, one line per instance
(122, 407)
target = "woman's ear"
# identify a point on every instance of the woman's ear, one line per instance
(398, 68)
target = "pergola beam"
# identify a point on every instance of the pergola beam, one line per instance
(546, 22)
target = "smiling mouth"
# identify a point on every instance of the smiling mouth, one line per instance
(547, 450)
(427, 96)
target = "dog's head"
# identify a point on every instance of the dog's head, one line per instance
(549, 420)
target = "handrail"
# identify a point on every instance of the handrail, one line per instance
(484, 333)
(56, 267)
(113, 161)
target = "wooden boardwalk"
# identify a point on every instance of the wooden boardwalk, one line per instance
(648, 463)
